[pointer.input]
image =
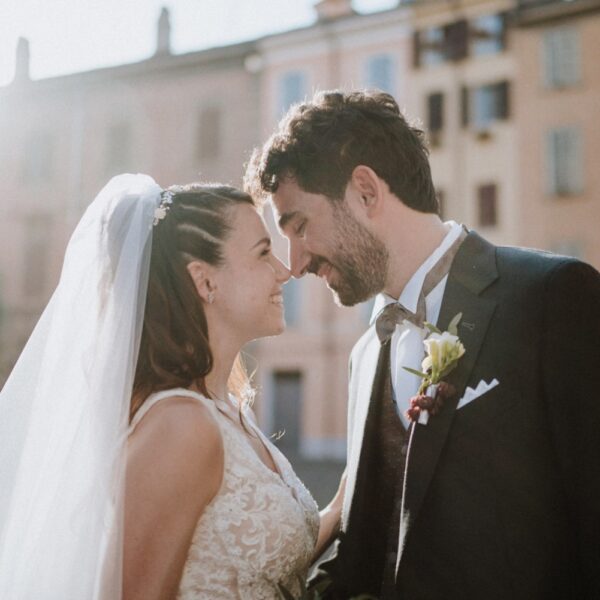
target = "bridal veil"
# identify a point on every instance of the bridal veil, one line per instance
(65, 407)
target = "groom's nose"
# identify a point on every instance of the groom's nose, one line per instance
(299, 258)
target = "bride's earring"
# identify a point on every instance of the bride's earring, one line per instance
(211, 297)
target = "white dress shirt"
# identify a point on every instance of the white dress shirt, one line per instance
(407, 349)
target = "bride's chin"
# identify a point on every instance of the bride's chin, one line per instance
(279, 329)
(270, 331)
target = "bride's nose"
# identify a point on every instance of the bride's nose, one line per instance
(281, 271)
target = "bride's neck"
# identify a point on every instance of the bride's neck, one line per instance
(224, 355)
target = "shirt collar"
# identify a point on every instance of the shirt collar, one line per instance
(410, 294)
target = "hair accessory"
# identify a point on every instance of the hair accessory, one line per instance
(161, 212)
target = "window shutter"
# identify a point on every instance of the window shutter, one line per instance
(503, 37)
(564, 159)
(502, 90)
(487, 198)
(456, 40)
(209, 133)
(435, 112)
(119, 155)
(562, 60)
(416, 49)
(464, 106)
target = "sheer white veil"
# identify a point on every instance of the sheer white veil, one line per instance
(64, 409)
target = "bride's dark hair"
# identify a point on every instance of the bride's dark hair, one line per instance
(174, 348)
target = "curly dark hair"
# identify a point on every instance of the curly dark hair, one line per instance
(319, 143)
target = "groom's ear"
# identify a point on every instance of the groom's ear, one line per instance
(201, 274)
(368, 187)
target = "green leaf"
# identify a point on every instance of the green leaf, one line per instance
(415, 372)
(432, 328)
(453, 327)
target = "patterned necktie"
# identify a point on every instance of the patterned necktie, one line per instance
(396, 313)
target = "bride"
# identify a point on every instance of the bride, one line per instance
(132, 466)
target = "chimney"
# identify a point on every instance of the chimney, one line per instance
(163, 38)
(22, 61)
(328, 10)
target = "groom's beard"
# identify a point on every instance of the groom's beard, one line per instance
(360, 264)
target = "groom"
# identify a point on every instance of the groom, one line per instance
(497, 496)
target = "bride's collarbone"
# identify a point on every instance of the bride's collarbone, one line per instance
(251, 435)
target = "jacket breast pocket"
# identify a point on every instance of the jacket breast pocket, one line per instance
(480, 417)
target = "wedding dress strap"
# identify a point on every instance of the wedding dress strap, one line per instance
(155, 398)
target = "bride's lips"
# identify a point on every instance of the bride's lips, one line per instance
(276, 299)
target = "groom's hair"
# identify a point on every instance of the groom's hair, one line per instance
(319, 143)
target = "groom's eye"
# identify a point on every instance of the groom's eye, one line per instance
(300, 228)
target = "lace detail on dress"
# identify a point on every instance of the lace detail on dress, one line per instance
(259, 530)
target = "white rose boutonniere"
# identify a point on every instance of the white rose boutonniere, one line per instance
(443, 351)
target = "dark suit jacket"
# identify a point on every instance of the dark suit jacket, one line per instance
(503, 495)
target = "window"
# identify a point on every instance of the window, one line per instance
(292, 89)
(118, 148)
(435, 112)
(36, 251)
(38, 158)
(209, 134)
(380, 73)
(287, 411)
(429, 47)
(482, 105)
(291, 301)
(487, 201)
(561, 57)
(564, 158)
(487, 35)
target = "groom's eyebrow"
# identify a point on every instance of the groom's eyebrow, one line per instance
(285, 218)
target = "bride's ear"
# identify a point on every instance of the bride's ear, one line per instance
(202, 276)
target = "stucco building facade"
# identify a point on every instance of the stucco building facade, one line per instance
(508, 94)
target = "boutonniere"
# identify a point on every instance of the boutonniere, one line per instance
(443, 351)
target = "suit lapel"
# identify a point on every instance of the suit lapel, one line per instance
(473, 270)
(364, 361)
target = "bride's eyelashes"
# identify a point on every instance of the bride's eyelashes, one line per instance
(300, 228)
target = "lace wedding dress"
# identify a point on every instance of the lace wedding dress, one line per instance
(259, 530)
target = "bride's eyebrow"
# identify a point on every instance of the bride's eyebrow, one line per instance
(266, 240)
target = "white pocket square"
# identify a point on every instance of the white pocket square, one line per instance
(471, 394)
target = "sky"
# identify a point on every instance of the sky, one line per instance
(78, 35)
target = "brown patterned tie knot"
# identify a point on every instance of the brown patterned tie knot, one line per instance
(392, 315)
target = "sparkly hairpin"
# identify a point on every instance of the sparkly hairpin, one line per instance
(163, 208)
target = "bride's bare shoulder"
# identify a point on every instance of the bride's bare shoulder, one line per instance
(178, 434)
